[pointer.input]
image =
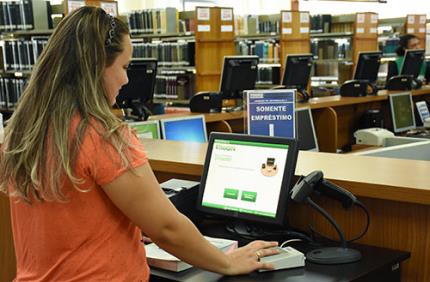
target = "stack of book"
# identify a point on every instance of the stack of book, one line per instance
(153, 21)
(21, 54)
(268, 75)
(161, 259)
(11, 90)
(16, 15)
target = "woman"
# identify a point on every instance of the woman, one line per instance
(80, 186)
(407, 41)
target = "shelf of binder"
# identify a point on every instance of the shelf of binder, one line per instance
(257, 24)
(416, 25)
(295, 36)
(174, 84)
(11, 90)
(154, 21)
(169, 54)
(20, 54)
(214, 40)
(268, 51)
(365, 34)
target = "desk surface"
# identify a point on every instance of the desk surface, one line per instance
(373, 262)
(372, 177)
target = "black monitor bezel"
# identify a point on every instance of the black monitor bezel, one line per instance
(315, 138)
(148, 98)
(360, 61)
(412, 51)
(396, 128)
(225, 66)
(284, 79)
(290, 166)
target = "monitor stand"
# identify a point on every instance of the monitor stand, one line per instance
(136, 111)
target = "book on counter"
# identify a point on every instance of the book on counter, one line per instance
(159, 258)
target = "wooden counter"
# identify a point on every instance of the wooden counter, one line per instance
(396, 192)
(336, 118)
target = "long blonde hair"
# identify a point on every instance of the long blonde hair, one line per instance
(67, 79)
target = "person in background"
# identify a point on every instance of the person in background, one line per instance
(80, 186)
(407, 41)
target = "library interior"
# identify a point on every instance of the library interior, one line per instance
(246, 108)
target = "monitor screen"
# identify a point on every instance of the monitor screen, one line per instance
(306, 130)
(297, 71)
(412, 62)
(186, 128)
(147, 129)
(368, 66)
(248, 177)
(141, 81)
(402, 112)
(238, 73)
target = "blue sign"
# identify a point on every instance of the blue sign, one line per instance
(271, 112)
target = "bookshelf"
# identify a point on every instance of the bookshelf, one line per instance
(416, 25)
(365, 34)
(214, 40)
(110, 6)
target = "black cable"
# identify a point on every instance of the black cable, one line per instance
(363, 207)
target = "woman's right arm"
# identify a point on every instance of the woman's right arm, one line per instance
(138, 196)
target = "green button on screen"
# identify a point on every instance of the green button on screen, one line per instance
(249, 196)
(231, 193)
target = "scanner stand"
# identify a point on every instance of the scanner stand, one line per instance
(403, 82)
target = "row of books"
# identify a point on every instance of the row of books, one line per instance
(11, 90)
(331, 49)
(320, 23)
(174, 85)
(180, 53)
(268, 75)
(16, 15)
(255, 24)
(21, 54)
(267, 51)
(153, 21)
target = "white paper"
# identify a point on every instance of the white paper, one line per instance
(304, 17)
(373, 30)
(110, 8)
(360, 30)
(304, 29)
(422, 19)
(287, 30)
(203, 14)
(411, 19)
(360, 18)
(226, 14)
(374, 19)
(411, 30)
(226, 28)
(203, 28)
(287, 17)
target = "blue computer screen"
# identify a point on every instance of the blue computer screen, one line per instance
(191, 129)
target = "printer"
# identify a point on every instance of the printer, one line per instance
(372, 136)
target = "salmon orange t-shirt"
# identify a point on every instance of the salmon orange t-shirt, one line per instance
(86, 238)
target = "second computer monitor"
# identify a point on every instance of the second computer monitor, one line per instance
(305, 130)
(239, 73)
(402, 112)
(368, 66)
(412, 62)
(297, 71)
(147, 129)
(186, 128)
(141, 81)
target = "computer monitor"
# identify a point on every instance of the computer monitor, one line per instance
(139, 91)
(186, 128)
(412, 62)
(402, 112)
(297, 71)
(147, 129)
(238, 73)
(368, 66)
(247, 177)
(305, 130)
